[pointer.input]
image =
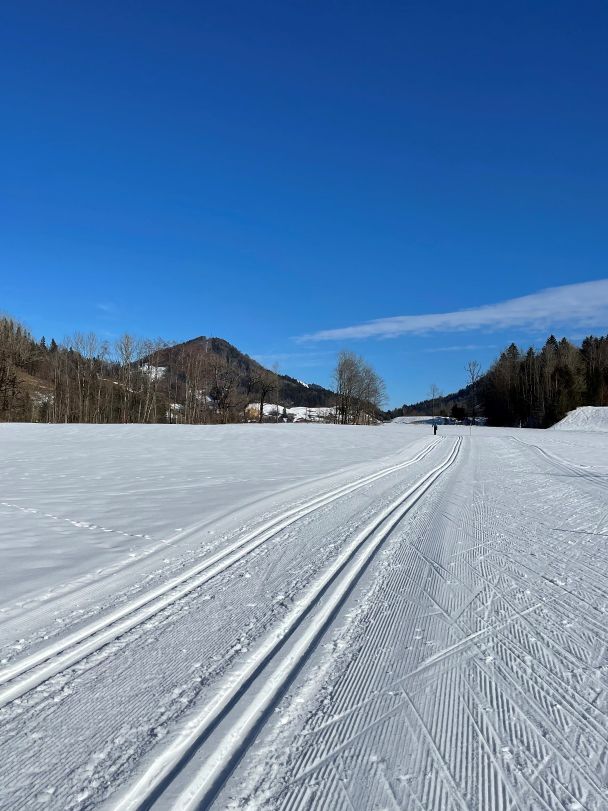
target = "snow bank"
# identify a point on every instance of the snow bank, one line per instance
(586, 418)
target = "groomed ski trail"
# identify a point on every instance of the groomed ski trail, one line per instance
(267, 663)
(26, 674)
(472, 673)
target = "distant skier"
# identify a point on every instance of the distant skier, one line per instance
(435, 429)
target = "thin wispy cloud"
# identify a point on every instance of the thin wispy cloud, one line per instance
(457, 348)
(573, 305)
(107, 307)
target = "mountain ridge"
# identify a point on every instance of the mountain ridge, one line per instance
(291, 391)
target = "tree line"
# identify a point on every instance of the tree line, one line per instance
(537, 388)
(534, 388)
(89, 380)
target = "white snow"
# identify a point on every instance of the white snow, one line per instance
(585, 418)
(294, 616)
(77, 501)
(312, 414)
(270, 409)
(298, 413)
(154, 372)
(428, 419)
(424, 420)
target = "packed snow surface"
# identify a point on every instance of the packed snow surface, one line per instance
(79, 501)
(303, 617)
(585, 418)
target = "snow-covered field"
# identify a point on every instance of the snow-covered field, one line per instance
(303, 617)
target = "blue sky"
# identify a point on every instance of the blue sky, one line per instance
(274, 173)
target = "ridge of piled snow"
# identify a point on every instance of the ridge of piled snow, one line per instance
(585, 418)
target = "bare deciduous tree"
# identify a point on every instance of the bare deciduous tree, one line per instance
(264, 384)
(434, 394)
(473, 370)
(359, 390)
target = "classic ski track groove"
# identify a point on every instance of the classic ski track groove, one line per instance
(544, 710)
(565, 466)
(316, 610)
(28, 673)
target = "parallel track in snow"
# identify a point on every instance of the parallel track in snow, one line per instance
(516, 678)
(244, 701)
(24, 675)
(566, 467)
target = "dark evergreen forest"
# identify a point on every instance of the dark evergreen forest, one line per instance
(538, 388)
(532, 388)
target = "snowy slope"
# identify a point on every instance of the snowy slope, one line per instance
(585, 418)
(348, 618)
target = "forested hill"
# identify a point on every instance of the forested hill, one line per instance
(183, 358)
(533, 388)
(86, 379)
